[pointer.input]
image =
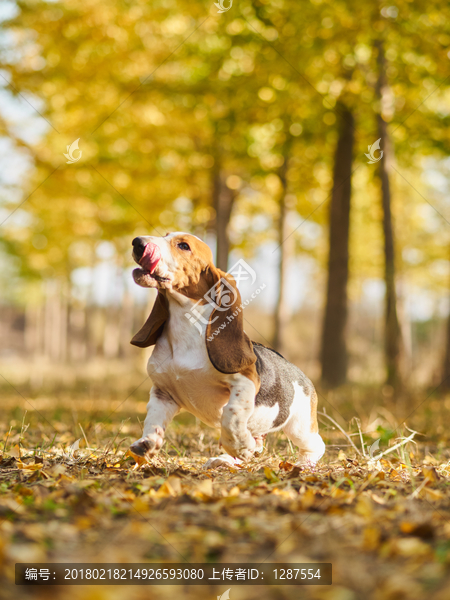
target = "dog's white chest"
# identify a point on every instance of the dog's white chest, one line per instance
(181, 367)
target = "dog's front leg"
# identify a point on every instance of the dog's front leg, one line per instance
(160, 411)
(235, 438)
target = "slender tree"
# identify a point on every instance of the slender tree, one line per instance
(446, 365)
(223, 200)
(392, 336)
(334, 348)
(286, 250)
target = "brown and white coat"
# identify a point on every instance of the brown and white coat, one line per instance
(242, 388)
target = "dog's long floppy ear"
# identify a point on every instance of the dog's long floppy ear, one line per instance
(154, 325)
(229, 348)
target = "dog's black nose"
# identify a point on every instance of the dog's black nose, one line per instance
(138, 247)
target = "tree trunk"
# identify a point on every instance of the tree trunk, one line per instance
(334, 347)
(64, 303)
(52, 322)
(223, 199)
(446, 366)
(31, 330)
(111, 335)
(126, 323)
(446, 369)
(392, 337)
(286, 248)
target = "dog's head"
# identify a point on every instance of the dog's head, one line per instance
(178, 261)
(181, 263)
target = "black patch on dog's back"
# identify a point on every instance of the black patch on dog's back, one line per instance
(277, 376)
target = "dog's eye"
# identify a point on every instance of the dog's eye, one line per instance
(183, 246)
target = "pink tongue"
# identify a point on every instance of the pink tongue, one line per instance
(151, 257)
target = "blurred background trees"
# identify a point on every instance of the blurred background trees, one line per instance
(249, 129)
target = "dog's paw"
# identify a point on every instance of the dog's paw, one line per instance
(314, 451)
(147, 446)
(224, 460)
(307, 460)
(243, 449)
(243, 454)
(143, 448)
(305, 463)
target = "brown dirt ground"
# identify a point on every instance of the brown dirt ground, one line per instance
(383, 524)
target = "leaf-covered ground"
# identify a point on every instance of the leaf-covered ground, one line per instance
(384, 524)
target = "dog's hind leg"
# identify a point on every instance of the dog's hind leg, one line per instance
(302, 428)
(160, 411)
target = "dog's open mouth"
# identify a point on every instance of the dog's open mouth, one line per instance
(154, 276)
(149, 261)
(143, 277)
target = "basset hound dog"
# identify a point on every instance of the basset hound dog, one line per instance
(211, 368)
